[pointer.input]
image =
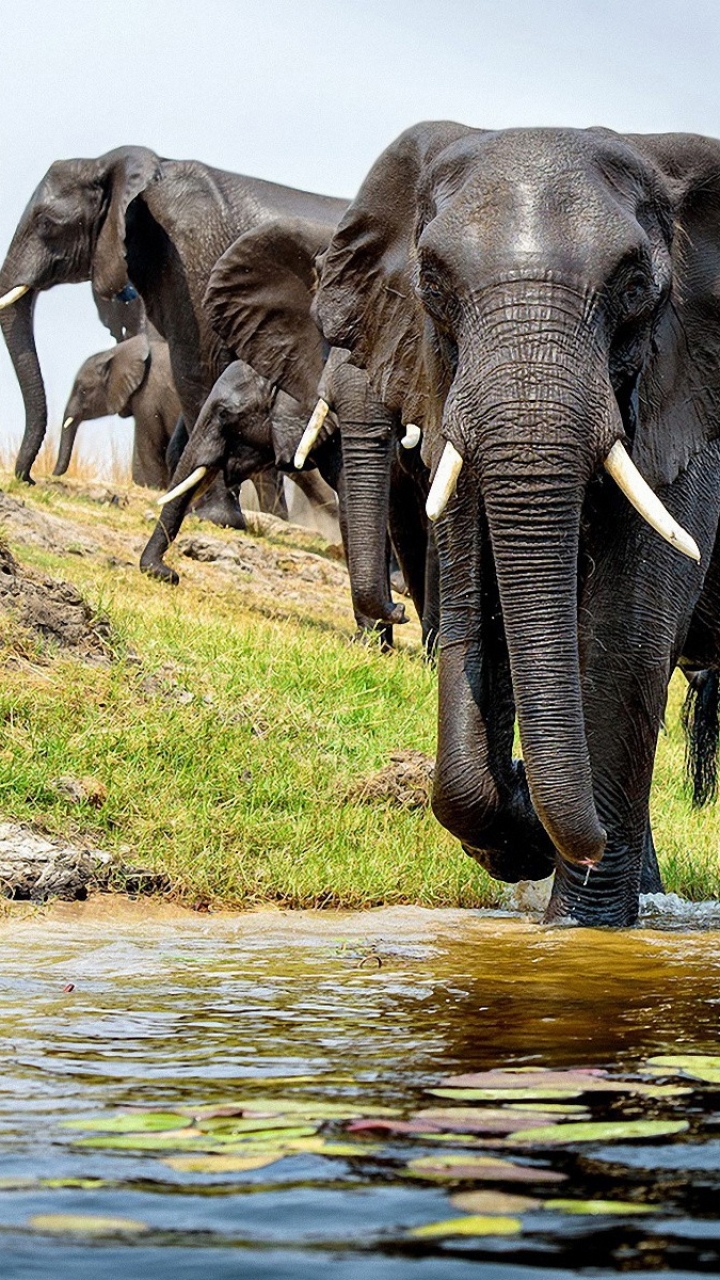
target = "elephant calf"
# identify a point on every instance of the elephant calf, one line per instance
(133, 379)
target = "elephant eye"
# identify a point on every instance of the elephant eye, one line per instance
(46, 226)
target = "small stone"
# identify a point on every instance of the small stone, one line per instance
(86, 790)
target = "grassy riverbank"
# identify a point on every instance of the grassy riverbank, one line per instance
(236, 718)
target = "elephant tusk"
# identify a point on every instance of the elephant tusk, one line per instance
(311, 433)
(68, 423)
(188, 483)
(412, 436)
(444, 484)
(638, 492)
(12, 296)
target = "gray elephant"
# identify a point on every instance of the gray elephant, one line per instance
(130, 217)
(245, 428)
(544, 304)
(259, 299)
(133, 380)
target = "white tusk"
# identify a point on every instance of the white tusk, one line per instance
(412, 436)
(446, 478)
(638, 492)
(188, 483)
(311, 433)
(18, 292)
(68, 422)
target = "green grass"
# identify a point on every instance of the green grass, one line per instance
(239, 794)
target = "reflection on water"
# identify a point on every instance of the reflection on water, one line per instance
(172, 1010)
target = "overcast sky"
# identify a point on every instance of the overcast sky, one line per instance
(308, 92)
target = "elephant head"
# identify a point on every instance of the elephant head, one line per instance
(104, 385)
(538, 301)
(72, 230)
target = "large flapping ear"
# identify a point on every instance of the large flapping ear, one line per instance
(126, 370)
(681, 388)
(366, 300)
(259, 297)
(129, 171)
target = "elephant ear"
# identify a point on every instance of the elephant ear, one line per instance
(366, 301)
(259, 297)
(128, 171)
(681, 386)
(126, 366)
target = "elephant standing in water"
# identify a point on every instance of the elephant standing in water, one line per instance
(133, 379)
(544, 304)
(130, 217)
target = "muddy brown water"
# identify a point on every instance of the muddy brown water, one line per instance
(365, 1011)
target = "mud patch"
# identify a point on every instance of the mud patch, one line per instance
(404, 783)
(35, 868)
(53, 610)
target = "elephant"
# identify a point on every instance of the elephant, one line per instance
(259, 300)
(132, 379)
(132, 218)
(543, 304)
(245, 427)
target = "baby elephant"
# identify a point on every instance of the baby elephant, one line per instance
(134, 380)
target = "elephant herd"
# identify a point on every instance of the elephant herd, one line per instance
(504, 356)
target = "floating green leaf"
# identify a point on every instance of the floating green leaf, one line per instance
(223, 1164)
(476, 1225)
(598, 1206)
(131, 1122)
(577, 1079)
(80, 1184)
(217, 1127)
(274, 1134)
(552, 1108)
(479, 1168)
(183, 1140)
(599, 1131)
(86, 1224)
(698, 1066)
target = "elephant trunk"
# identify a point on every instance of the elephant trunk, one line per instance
(533, 422)
(367, 458)
(173, 512)
(16, 322)
(71, 422)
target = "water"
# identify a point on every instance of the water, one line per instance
(370, 1010)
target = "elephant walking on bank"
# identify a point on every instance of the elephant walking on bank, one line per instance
(543, 303)
(133, 380)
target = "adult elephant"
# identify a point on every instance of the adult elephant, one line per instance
(134, 380)
(130, 217)
(544, 304)
(260, 299)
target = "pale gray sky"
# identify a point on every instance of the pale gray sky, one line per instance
(308, 92)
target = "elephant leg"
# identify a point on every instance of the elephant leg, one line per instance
(650, 878)
(271, 492)
(149, 466)
(636, 604)
(220, 506)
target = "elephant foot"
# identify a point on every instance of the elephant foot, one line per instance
(25, 477)
(160, 571)
(531, 862)
(598, 897)
(650, 878)
(220, 507)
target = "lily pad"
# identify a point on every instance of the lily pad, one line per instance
(131, 1122)
(183, 1140)
(223, 1164)
(479, 1168)
(273, 1135)
(80, 1184)
(704, 1067)
(376, 1124)
(598, 1206)
(86, 1224)
(599, 1131)
(244, 1124)
(482, 1119)
(476, 1225)
(494, 1202)
(259, 1107)
(551, 1108)
(531, 1077)
(519, 1094)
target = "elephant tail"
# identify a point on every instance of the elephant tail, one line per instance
(701, 723)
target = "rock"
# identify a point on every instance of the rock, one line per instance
(53, 609)
(37, 868)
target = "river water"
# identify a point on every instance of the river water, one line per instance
(108, 1008)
